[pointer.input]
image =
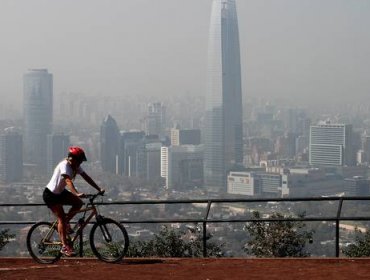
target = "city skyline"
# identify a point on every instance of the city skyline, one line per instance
(74, 111)
(304, 51)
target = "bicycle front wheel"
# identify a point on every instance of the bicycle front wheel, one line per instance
(43, 243)
(109, 240)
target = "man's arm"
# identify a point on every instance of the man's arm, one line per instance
(71, 186)
(91, 182)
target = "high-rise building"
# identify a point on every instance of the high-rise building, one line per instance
(57, 149)
(255, 183)
(130, 142)
(149, 159)
(109, 145)
(185, 137)
(366, 147)
(11, 156)
(223, 134)
(37, 115)
(155, 121)
(242, 183)
(181, 166)
(331, 145)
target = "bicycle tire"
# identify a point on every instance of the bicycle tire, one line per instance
(43, 253)
(113, 250)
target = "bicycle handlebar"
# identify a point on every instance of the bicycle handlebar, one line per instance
(91, 197)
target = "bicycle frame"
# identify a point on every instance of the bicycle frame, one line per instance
(81, 226)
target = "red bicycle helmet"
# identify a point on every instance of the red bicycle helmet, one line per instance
(77, 153)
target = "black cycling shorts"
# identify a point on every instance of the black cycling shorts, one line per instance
(64, 198)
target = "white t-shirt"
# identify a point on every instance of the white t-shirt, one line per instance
(57, 182)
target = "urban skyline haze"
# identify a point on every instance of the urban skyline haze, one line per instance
(306, 50)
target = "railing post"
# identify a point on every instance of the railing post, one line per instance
(204, 239)
(205, 229)
(81, 244)
(337, 222)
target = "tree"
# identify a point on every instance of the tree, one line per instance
(361, 247)
(171, 243)
(4, 238)
(277, 239)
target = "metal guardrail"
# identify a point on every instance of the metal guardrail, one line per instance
(337, 218)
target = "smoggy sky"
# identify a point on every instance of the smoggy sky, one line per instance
(296, 49)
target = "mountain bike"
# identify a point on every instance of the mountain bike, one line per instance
(108, 238)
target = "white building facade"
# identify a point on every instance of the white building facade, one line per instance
(331, 145)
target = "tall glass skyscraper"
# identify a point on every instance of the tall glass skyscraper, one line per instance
(223, 135)
(37, 115)
(109, 144)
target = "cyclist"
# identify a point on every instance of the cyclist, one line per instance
(55, 194)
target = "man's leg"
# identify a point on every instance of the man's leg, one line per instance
(76, 204)
(59, 212)
(70, 199)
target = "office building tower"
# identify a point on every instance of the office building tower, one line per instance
(182, 166)
(223, 133)
(149, 159)
(37, 115)
(11, 156)
(109, 145)
(366, 147)
(155, 120)
(243, 183)
(57, 150)
(129, 145)
(331, 145)
(148, 151)
(185, 137)
(255, 183)
(153, 159)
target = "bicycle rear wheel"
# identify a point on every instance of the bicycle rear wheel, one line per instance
(109, 240)
(43, 243)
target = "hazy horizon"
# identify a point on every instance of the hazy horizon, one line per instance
(298, 50)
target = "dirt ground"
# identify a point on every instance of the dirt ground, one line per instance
(211, 269)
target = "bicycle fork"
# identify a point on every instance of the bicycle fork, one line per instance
(82, 222)
(104, 229)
